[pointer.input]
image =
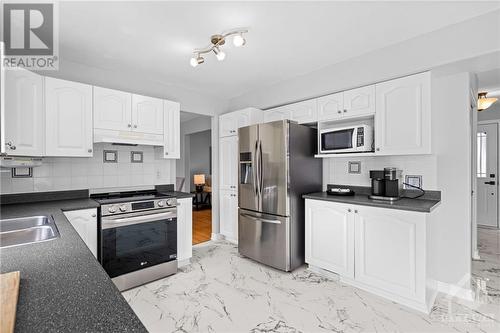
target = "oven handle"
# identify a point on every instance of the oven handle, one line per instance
(124, 221)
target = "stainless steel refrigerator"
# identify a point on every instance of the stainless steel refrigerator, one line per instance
(276, 166)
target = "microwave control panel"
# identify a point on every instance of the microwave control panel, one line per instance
(360, 137)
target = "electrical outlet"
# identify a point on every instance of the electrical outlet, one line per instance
(414, 180)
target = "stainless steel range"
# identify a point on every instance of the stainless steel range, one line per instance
(138, 236)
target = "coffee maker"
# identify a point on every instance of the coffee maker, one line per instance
(386, 184)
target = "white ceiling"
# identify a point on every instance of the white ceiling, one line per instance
(186, 116)
(285, 39)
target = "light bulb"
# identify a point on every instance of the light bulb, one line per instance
(221, 55)
(193, 62)
(238, 40)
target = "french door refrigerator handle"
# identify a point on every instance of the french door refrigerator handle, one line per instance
(255, 218)
(261, 180)
(256, 171)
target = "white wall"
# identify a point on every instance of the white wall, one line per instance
(452, 147)
(491, 113)
(199, 155)
(58, 173)
(469, 39)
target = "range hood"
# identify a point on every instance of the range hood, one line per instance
(20, 161)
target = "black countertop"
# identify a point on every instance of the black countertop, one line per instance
(423, 204)
(63, 288)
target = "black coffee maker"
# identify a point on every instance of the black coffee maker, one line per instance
(386, 184)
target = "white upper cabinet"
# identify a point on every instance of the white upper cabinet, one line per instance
(403, 119)
(24, 113)
(228, 163)
(359, 102)
(329, 234)
(301, 112)
(330, 107)
(147, 114)
(279, 113)
(172, 130)
(350, 103)
(230, 122)
(68, 107)
(112, 109)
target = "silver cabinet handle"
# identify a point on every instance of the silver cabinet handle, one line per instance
(93, 215)
(339, 111)
(135, 126)
(129, 125)
(356, 211)
(166, 153)
(11, 145)
(349, 210)
(345, 110)
(90, 150)
(378, 149)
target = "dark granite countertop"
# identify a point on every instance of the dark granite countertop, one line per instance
(178, 195)
(423, 204)
(63, 287)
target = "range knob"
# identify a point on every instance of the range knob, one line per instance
(112, 209)
(123, 208)
(170, 202)
(161, 203)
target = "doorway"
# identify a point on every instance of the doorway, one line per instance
(487, 173)
(194, 171)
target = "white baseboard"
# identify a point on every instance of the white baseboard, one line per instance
(455, 290)
(217, 237)
(183, 262)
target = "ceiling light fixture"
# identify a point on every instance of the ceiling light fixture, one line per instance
(484, 102)
(216, 42)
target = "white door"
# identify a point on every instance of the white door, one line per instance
(172, 132)
(329, 237)
(147, 114)
(330, 107)
(487, 171)
(112, 109)
(228, 163)
(228, 125)
(403, 119)
(68, 120)
(184, 229)
(280, 113)
(229, 214)
(390, 250)
(85, 223)
(24, 113)
(359, 102)
(304, 112)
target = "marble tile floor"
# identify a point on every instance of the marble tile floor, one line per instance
(224, 292)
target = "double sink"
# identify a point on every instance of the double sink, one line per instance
(27, 230)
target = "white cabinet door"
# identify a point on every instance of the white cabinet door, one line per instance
(247, 117)
(112, 109)
(229, 214)
(304, 112)
(172, 132)
(359, 102)
(330, 107)
(228, 163)
(24, 113)
(279, 113)
(390, 250)
(184, 229)
(85, 223)
(402, 119)
(228, 124)
(147, 114)
(329, 237)
(68, 119)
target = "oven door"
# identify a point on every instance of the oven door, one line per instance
(341, 140)
(134, 241)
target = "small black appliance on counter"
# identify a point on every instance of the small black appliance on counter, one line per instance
(386, 184)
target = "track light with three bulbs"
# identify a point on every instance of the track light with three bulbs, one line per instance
(217, 41)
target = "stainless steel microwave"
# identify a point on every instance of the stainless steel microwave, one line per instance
(349, 139)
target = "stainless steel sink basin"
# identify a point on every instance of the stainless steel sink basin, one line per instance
(27, 230)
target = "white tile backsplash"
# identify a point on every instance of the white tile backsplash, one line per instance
(57, 173)
(335, 170)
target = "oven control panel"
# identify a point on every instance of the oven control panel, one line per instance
(128, 207)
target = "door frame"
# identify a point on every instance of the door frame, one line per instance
(486, 122)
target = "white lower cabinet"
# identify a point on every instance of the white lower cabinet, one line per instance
(332, 228)
(184, 230)
(229, 214)
(384, 251)
(85, 223)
